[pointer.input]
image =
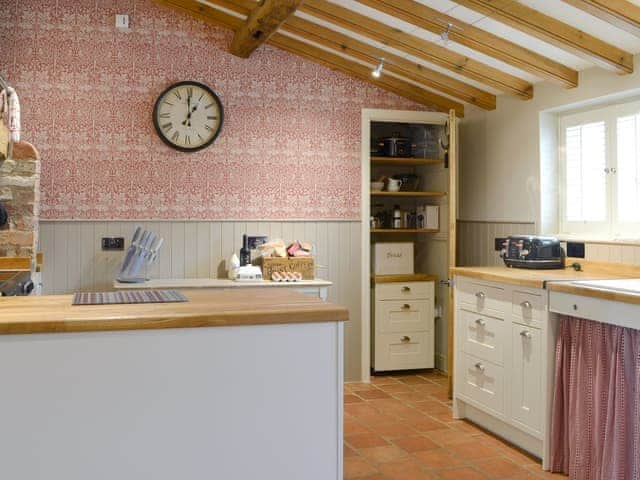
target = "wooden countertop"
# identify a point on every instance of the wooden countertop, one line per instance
(160, 283)
(205, 308)
(595, 292)
(591, 270)
(409, 277)
(20, 263)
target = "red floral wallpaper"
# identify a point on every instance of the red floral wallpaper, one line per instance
(290, 144)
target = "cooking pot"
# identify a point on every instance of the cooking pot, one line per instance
(395, 146)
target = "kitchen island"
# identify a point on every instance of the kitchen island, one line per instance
(232, 384)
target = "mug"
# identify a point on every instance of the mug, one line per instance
(394, 185)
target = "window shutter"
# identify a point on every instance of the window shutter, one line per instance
(628, 144)
(586, 181)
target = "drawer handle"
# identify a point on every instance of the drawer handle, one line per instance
(406, 289)
(405, 339)
(479, 366)
(525, 334)
(526, 304)
(406, 306)
(480, 295)
(481, 322)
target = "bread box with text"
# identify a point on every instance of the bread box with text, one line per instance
(392, 258)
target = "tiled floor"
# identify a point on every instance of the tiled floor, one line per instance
(401, 428)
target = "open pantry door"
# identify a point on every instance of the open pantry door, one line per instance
(453, 221)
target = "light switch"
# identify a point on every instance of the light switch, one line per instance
(122, 22)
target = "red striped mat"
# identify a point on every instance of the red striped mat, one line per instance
(128, 296)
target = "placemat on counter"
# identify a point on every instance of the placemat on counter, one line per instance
(129, 296)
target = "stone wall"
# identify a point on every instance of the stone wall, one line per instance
(20, 195)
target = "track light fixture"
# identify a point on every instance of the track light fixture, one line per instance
(378, 70)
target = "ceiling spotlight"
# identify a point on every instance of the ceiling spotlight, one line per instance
(444, 36)
(378, 70)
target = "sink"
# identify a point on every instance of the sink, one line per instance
(628, 285)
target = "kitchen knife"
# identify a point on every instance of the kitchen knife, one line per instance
(130, 251)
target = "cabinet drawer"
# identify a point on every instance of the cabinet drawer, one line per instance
(482, 298)
(402, 291)
(483, 382)
(484, 337)
(527, 308)
(392, 316)
(403, 351)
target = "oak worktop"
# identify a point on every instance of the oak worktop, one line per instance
(602, 293)
(205, 308)
(591, 270)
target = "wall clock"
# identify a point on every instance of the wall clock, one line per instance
(188, 116)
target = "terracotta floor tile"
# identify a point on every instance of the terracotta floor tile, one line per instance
(519, 457)
(412, 396)
(387, 453)
(444, 417)
(462, 473)
(413, 379)
(499, 468)
(372, 394)
(438, 458)
(352, 427)
(449, 436)
(539, 473)
(473, 450)
(407, 469)
(383, 380)
(349, 452)
(396, 388)
(393, 429)
(430, 388)
(365, 440)
(428, 424)
(350, 398)
(431, 406)
(356, 467)
(465, 426)
(377, 418)
(415, 443)
(360, 409)
(358, 386)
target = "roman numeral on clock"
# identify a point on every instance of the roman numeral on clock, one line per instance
(165, 115)
(175, 136)
(211, 117)
(167, 126)
(177, 94)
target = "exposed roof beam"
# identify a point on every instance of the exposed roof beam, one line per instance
(418, 47)
(393, 63)
(363, 72)
(202, 12)
(261, 23)
(553, 31)
(620, 13)
(400, 87)
(477, 39)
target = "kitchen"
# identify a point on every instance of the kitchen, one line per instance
(308, 142)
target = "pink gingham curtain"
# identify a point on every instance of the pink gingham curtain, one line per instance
(596, 401)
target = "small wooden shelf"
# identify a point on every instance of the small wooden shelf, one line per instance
(408, 194)
(405, 161)
(409, 277)
(404, 230)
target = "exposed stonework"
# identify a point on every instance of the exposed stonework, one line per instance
(20, 195)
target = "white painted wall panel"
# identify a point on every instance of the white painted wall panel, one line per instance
(74, 260)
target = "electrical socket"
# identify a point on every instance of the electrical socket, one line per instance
(110, 244)
(122, 22)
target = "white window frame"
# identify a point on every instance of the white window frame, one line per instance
(609, 228)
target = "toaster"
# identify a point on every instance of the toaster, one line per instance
(532, 251)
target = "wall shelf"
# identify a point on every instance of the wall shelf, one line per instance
(404, 230)
(408, 194)
(405, 161)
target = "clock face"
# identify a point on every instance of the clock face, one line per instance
(188, 116)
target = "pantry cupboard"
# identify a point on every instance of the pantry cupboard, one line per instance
(409, 162)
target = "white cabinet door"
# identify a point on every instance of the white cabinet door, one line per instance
(526, 381)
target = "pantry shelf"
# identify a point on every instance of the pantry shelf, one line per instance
(404, 230)
(405, 161)
(408, 194)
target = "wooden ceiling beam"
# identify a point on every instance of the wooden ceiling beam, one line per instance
(619, 13)
(555, 32)
(363, 72)
(393, 63)
(203, 12)
(262, 22)
(418, 47)
(317, 55)
(477, 39)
